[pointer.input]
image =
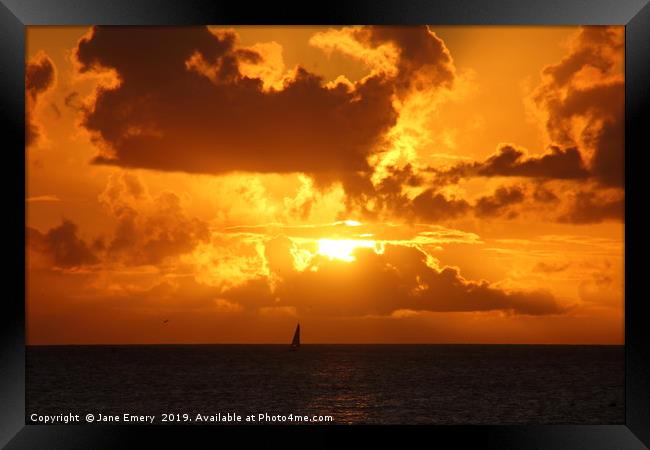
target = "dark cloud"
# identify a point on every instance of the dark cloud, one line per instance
(589, 207)
(39, 77)
(605, 133)
(509, 161)
(433, 206)
(499, 202)
(61, 245)
(183, 105)
(389, 196)
(565, 95)
(595, 46)
(423, 57)
(398, 178)
(557, 164)
(400, 278)
(603, 108)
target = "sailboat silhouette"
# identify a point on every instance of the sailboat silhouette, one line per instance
(295, 343)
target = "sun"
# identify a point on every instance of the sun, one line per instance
(342, 249)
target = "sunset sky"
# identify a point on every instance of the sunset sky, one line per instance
(376, 184)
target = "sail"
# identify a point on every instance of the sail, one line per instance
(296, 337)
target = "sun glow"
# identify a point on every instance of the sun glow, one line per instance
(342, 249)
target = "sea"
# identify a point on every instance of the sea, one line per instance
(327, 384)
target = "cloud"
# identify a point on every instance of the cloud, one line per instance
(186, 106)
(582, 100)
(510, 161)
(600, 288)
(499, 202)
(399, 234)
(201, 106)
(402, 277)
(413, 55)
(39, 77)
(557, 163)
(391, 197)
(43, 198)
(60, 246)
(589, 207)
(434, 206)
(149, 229)
(73, 101)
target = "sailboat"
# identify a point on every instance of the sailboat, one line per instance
(295, 343)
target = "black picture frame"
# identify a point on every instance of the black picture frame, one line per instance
(16, 14)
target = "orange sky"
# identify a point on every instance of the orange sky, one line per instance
(376, 184)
